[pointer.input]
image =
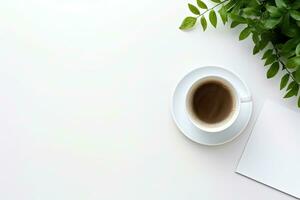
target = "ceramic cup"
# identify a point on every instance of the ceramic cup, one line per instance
(224, 124)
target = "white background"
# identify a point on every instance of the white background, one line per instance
(85, 90)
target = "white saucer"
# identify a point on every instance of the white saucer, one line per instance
(191, 131)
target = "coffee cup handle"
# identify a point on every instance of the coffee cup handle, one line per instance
(246, 99)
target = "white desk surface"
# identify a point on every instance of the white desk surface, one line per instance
(85, 103)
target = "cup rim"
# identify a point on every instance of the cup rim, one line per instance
(233, 117)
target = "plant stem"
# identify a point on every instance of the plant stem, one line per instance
(209, 9)
(283, 65)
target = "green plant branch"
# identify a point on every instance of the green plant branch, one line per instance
(209, 9)
(283, 65)
(262, 18)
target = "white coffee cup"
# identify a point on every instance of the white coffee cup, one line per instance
(237, 99)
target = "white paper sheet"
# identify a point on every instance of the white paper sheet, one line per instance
(272, 155)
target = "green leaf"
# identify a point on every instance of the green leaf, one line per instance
(216, 1)
(296, 89)
(297, 51)
(230, 5)
(284, 81)
(201, 4)
(194, 9)
(265, 38)
(267, 54)
(288, 54)
(250, 11)
(280, 3)
(234, 24)
(295, 14)
(213, 18)
(299, 102)
(270, 60)
(297, 75)
(285, 22)
(294, 74)
(293, 91)
(274, 11)
(291, 85)
(290, 44)
(203, 23)
(273, 70)
(296, 5)
(293, 62)
(255, 49)
(271, 23)
(289, 28)
(255, 38)
(289, 94)
(188, 23)
(238, 18)
(245, 33)
(223, 14)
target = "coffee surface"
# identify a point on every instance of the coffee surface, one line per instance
(212, 102)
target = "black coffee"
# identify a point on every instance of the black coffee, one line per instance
(212, 102)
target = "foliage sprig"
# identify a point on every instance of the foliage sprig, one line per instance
(274, 26)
